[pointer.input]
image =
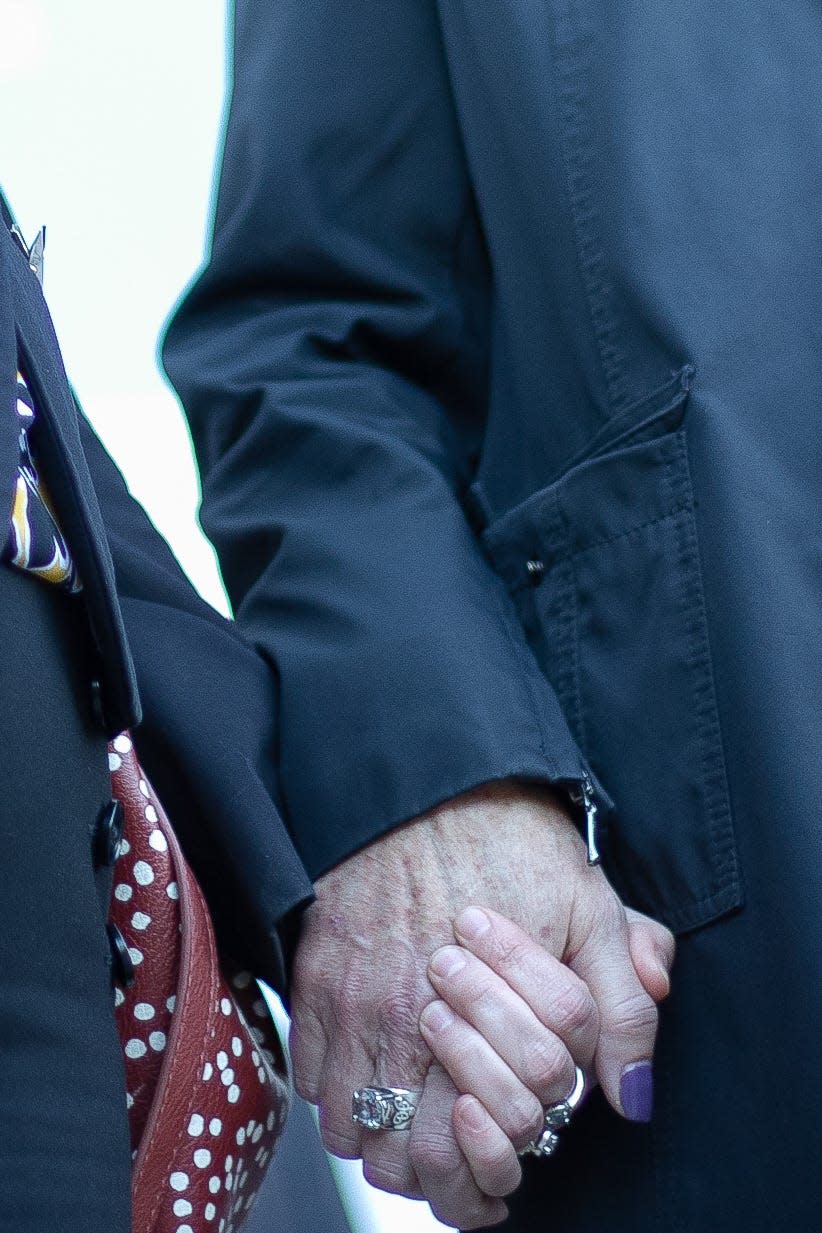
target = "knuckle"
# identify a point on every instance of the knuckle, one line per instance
(399, 1013)
(315, 975)
(478, 994)
(339, 1133)
(342, 1143)
(608, 914)
(310, 973)
(524, 1118)
(510, 954)
(546, 1066)
(633, 1015)
(433, 1157)
(306, 1055)
(305, 1085)
(574, 1010)
(387, 1175)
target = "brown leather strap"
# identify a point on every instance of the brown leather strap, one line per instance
(185, 1054)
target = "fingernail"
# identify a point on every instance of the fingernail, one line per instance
(636, 1092)
(436, 1016)
(471, 924)
(447, 961)
(472, 1112)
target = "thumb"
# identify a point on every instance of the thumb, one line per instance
(652, 948)
(627, 1014)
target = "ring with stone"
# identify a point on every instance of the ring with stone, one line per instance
(557, 1117)
(384, 1108)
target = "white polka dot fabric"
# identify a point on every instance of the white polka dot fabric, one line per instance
(207, 1092)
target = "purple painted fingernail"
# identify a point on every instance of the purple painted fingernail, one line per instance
(636, 1092)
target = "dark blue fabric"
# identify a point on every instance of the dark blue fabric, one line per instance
(538, 281)
(209, 733)
(332, 362)
(65, 1161)
(27, 326)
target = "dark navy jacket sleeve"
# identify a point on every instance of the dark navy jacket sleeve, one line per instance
(208, 734)
(331, 360)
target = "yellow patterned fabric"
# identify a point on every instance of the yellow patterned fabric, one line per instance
(35, 543)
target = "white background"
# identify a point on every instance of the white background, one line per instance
(110, 118)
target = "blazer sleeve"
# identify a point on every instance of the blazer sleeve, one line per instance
(208, 736)
(331, 358)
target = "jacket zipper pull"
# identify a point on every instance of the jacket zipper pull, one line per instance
(584, 796)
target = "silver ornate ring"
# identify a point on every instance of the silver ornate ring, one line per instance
(384, 1108)
(557, 1117)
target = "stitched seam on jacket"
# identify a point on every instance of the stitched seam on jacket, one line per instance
(516, 588)
(693, 914)
(570, 55)
(723, 860)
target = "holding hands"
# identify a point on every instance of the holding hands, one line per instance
(513, 1029)
(487, 1020)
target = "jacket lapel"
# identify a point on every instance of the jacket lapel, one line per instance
(64, 465)
(8, 384)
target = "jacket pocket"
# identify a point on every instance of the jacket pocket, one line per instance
(603, 566)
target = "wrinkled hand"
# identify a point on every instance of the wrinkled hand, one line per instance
(361, 982)
(503, 1004)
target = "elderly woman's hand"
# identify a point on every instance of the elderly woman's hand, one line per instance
(507, 1011)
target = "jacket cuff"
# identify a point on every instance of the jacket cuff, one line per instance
(371, 742)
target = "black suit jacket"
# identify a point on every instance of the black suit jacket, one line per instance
(203, 703)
